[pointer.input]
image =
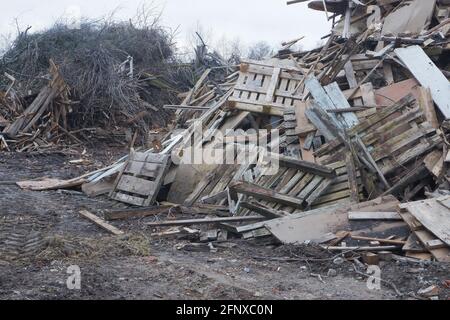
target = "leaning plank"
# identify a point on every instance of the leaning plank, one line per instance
(101, 223)
(374, 216)
(204, 221)
(428, 74)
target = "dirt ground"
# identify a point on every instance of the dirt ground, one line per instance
(42, 234)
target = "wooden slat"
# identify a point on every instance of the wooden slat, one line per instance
(101, 223)
(374, 216)
(428, 74)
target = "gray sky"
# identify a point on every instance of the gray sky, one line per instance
(248, 20)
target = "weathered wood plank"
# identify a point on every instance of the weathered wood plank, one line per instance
(428, 74)
(101, 223)
(374, 216)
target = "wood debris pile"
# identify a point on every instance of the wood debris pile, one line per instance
(362, 144)
(43, 122)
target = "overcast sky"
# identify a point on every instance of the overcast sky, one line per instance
(248, 20)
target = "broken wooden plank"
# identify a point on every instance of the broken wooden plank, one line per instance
(101, 223)
(118, 214)
(428, 74)
(304, 166)
(204, 221)
(374, 216)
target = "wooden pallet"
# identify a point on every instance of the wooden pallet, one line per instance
(140, 179)
(295, 179)
(395, 136)
(266, 89)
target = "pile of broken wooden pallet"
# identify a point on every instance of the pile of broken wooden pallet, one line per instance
(363, 125)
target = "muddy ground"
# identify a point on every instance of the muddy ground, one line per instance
(42, 234)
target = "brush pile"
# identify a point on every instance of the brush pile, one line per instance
(116, 75)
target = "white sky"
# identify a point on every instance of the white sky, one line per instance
(249, 21)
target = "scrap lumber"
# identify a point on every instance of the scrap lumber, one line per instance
(101, 223)
(40, 105)
(204, 221)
